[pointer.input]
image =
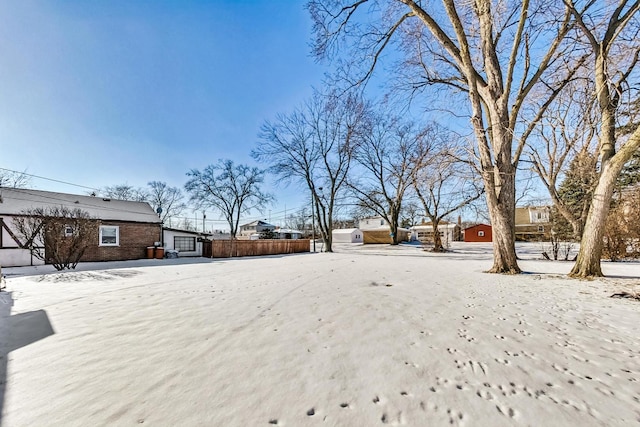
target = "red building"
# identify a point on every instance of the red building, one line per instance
(478, 233)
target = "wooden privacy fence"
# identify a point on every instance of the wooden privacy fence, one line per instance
(238, 248)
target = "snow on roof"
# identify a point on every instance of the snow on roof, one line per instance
(287, 230)
(178, 230)
(15, 201)
(345, 230)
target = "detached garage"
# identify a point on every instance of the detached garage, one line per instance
(187, 243)
(347, 235)
(478, 233)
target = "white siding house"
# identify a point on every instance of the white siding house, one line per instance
(373, 223)
(449, 232)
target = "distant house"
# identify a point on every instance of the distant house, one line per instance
(377, 230)
(187, 243)
(347, 235)
(373, 223)
(478, 233)
(533, 223)
(125, 228)
(255, 228)
(449, 232)
(288, 233)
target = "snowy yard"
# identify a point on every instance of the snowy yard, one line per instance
(370, 335)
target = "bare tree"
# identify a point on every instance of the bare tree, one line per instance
(298, 220)
(313, 146)
(390, 152)
(233, 190)
(126, 192)
(445, 182)
(613, 43)
(57, 235)
(167, 201)
(13, 179)
(499, 57)
(562, 154)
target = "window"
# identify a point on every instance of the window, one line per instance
(480, 233)
(68, 231)
(541, 228)
(109, 235)
(382, 222)
(184, 244)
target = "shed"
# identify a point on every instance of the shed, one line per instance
(347, 235)
(478, 233)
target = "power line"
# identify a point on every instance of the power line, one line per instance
(50, 179)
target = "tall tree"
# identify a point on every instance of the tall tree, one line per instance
(445, 182)
(611, 33)
(499, 57)
(168, 201)
(390, 152)
(562, 156)
(158, 194)
(313, 146)
(232, 189)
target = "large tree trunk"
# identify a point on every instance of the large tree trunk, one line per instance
(588, 260)
(437, 240)
(501, 204)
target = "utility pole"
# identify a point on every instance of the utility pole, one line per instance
(313, 221)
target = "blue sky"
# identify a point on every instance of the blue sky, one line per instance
(103, 93)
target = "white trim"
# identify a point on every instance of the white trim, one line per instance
(117, 243)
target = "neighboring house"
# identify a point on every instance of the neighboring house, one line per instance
(288, 233)
(347, 235)
(449, 232)
(377, 230)
(478, 233)
(533, 222)
(187, 243)
(125, 228)
(255, 227)
(373, 223)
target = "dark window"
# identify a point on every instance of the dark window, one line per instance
(184, 244)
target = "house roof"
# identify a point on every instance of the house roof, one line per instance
(428, 225)
(287, 230)
(197, 233)
(15, 201)
(477, 225)
(345, 230)
(258, 222)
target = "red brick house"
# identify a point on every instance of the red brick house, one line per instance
(478, 233)
(124, 228)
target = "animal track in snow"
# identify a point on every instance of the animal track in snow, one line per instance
(462, 333)
(476, 367)
(506, 411)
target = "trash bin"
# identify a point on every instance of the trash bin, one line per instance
(159, 253)
(150, 252)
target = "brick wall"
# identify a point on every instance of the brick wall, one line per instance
(134, 239)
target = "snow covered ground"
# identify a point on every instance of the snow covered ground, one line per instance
(366, 336)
